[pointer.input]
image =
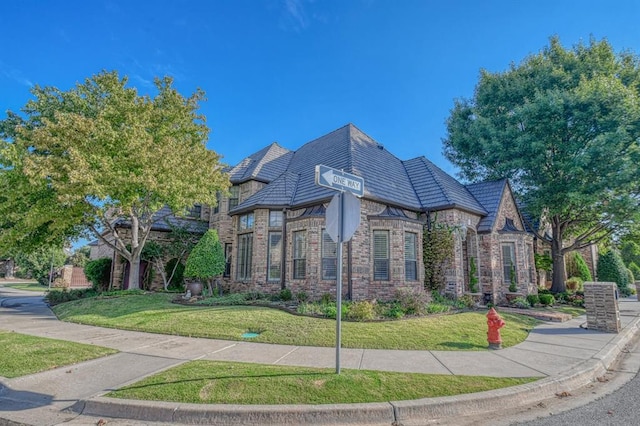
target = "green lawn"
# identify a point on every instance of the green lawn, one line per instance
(216, 382)
(29, 286)
(22, 354)
(154, 313)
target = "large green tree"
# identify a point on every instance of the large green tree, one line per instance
(564, 127)
(76, 161)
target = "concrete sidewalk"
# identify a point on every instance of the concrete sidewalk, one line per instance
(566, 355)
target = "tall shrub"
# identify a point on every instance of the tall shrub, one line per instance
(612, 269)
(582, 270)
(98, 272)
(206, 260)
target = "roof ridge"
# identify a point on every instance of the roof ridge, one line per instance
(413, 185)
(436, 179)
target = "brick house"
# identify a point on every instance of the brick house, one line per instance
(272, 224)
(195, 222)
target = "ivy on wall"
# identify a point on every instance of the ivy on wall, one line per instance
(437, 251)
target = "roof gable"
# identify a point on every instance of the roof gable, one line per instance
(264, 165)
(437, 190)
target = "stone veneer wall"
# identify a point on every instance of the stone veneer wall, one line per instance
(601, 305)
(486, 248)
(358, 251)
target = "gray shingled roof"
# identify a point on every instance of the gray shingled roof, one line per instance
(489, 195)
(437, 190)
(164, 219)
(415, 184)
(278, 193)
(264, 165)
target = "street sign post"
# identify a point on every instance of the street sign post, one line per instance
(339, 180)
(342, 219)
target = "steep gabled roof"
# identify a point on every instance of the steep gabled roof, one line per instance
(437, 190)
(264, 165)
(416, 184)
(278, 193)
(489, 194)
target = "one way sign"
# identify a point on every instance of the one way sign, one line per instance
(339, 180)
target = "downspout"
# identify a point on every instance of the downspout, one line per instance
(283, 261)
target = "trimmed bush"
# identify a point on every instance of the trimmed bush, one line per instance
(361, 311)
(98, 272)
(533, 299)
(286, 295)
(411, 301)
(547, 299)
(520, 303)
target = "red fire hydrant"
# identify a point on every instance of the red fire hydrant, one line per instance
(495, 323)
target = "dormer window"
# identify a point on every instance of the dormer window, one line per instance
(195, 211)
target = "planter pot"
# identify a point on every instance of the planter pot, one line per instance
(195, 288)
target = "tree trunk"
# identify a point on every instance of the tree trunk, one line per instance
(134, 272)
(557, 255)
(134, 264)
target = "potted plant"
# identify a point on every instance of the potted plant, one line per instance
(205, 262)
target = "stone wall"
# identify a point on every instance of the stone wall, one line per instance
(601, 305)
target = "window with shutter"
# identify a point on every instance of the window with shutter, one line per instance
(381, 255)
(410, 256)
(329, 257)
(299, 255)
(274, 256)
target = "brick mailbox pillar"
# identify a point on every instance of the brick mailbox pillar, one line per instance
(601, 304)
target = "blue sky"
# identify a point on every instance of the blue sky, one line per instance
(293, 70)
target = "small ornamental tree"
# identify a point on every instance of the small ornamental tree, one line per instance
(206, 260)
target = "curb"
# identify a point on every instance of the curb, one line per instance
(413, 412)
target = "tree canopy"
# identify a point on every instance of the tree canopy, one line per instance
(564, 127)
(75, 161)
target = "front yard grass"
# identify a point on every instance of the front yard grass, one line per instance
(28, 286)
(155, 313)
(217, 382)
(22, 354)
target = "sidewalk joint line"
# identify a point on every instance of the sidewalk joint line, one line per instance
(286, 355)
(441, 363)
(361, 360)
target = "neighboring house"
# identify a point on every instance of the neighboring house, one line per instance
(195, 221)
(272, 225)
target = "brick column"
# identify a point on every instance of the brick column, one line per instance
(601, 304)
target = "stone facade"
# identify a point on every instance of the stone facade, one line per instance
(601, 305)
(358, 272)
